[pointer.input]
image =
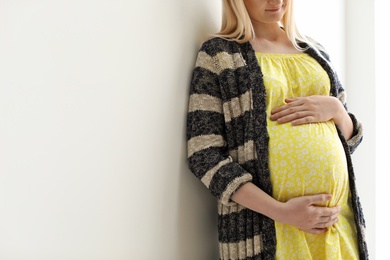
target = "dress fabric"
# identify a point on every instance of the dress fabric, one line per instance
(306, 159)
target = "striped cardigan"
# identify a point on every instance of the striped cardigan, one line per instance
(227, 143)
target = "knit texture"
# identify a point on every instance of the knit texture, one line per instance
(227, 143)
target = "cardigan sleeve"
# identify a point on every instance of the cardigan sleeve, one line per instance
(207, 151)
(357, 134)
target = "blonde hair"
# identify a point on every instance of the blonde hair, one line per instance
(237, 25)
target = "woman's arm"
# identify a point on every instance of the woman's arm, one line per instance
(314, 109)
(207, 152)
(300, 212)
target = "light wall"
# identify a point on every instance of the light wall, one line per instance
(382, 57)
(93, 98)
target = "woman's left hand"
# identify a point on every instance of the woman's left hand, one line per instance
(305, 110)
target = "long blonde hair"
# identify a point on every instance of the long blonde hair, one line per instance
(237, 25)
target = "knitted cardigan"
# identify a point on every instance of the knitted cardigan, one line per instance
(227, 143)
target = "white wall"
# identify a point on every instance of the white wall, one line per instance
(382, 57)
(93, 96)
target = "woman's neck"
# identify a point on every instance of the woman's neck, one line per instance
(271, 38)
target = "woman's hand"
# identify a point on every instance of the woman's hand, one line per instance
(304, 110)
(314, 109)
(303, 213)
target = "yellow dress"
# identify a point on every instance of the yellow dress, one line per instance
(306, 160)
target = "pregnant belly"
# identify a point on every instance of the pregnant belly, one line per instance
(307, 159)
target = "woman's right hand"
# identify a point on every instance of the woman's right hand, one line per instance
(302, 212)
(305, 214)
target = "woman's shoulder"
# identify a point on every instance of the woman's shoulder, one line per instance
(215, 45)
(316, 48)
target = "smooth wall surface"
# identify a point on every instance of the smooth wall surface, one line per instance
(93, 97)
(382, 56)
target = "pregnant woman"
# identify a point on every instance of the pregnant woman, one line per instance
(270, 136)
